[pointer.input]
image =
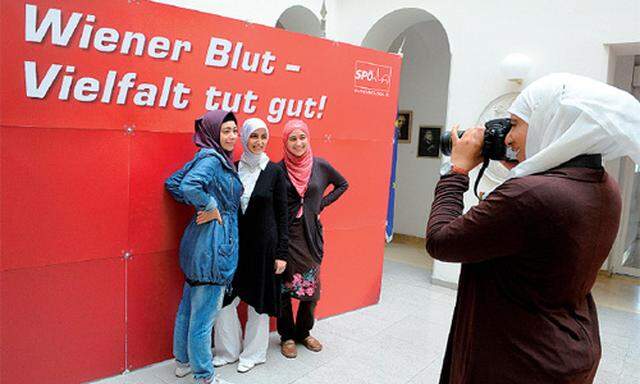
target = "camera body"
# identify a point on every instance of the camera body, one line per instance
(493, 148)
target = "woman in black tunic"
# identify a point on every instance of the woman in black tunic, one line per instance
(308, 178)
(263, 254)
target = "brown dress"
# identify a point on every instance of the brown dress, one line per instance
(301, 279)
(530, 254)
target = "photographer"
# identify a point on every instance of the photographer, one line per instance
(530, 251)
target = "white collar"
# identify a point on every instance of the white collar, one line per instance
(264, 161)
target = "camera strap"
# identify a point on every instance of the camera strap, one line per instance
(485, 164)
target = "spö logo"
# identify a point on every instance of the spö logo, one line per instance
(372, 79)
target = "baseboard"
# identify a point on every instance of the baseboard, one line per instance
(444, 283)
(624, 278)
(407, 239)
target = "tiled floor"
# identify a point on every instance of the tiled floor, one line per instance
(402, 339)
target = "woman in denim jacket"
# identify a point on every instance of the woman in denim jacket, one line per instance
(209, 246)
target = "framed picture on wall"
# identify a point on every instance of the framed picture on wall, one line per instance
(429, 142)
(403, 124)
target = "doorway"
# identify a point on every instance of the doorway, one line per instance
(624, 73)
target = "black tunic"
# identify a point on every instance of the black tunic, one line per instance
(302, 276)
(263, 239)
(322, 175)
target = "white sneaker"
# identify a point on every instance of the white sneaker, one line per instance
(245, 366)
(220, 362)
(182, 369)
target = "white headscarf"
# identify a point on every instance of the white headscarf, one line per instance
(250, 164)
(570, 115)
(249, 158)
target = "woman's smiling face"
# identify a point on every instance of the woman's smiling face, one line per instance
(297, 143)
(257, 141)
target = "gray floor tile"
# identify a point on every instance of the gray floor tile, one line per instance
(393, 359)
(277, 369)
(112, 380)
(419, 332)
(334, 347)
(343, 371)
(391, 311)
(429, 375)
(354, 326)
(147, 377)
(607, 377)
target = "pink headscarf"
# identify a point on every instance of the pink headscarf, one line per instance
(298, 167)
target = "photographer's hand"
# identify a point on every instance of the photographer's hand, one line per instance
(466, 152)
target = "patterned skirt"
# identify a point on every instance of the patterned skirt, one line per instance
(301, 279)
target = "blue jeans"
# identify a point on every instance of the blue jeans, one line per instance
(194, 321)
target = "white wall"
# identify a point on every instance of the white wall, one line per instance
(253, 11)
(424, 81)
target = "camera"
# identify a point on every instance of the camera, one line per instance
(493, 147)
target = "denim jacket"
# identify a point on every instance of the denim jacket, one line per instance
(208, 252)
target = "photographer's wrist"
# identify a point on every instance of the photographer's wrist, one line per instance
(466, 163)
(462, 160)
(459, 170)
(449, 168)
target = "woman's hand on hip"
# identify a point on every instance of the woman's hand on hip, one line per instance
(280, 266)
(207, 216)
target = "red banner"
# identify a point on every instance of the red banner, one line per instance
(98, 101)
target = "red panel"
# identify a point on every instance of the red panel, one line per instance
(365, 202)
(63, 323)
(154, 291)
(65, 193)
(351, 269)
(1, 205)
(157, 221)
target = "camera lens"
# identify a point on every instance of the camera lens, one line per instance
(446, 143)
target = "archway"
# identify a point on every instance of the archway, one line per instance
(299, 19)
(424, 84)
